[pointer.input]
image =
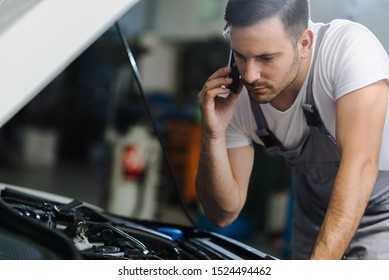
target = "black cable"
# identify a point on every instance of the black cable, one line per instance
(154, 124)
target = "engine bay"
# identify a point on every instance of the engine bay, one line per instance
(94, 234)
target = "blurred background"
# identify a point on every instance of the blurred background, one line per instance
(88, 134)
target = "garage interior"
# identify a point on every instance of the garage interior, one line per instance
(88, 134)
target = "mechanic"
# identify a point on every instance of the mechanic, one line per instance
(316, 94)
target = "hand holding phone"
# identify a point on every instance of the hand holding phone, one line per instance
(234, 75)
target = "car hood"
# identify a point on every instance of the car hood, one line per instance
(40, 38)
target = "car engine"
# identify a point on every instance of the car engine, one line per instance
(88, 232)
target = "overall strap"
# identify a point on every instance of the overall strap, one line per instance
(311, 114)
(263, 131)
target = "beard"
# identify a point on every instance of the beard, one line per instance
(264, 91)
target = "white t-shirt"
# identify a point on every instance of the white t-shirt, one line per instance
(350, 57)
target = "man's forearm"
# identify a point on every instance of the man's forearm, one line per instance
(215, 183)
(352, 189)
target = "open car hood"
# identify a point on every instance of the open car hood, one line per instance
(39, 38)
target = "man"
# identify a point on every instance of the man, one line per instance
(316, 94)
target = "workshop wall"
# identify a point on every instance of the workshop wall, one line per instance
(374, 14)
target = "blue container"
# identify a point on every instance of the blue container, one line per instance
(241, 229)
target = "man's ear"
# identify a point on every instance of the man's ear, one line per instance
(306, 43)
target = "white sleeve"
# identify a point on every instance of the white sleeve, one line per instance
(354, 59)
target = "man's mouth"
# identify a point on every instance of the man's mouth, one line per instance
(258, 89)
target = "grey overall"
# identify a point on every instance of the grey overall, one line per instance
(314, 165)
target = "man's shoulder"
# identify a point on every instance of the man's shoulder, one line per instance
(342, 27)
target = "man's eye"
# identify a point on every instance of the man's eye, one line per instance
(266, 57)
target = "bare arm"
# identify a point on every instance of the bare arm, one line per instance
(360, 120)
(222, 181)
(223, 176)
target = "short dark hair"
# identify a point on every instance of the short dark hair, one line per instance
(294, 14)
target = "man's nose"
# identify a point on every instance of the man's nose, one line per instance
(252, 72)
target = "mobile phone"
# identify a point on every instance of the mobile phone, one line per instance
(234, 86)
